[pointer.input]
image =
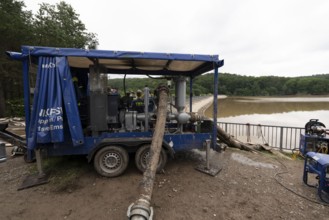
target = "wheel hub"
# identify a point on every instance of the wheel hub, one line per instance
(145, 158)
(111, 160)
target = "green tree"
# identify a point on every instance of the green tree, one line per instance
(290, 87)
(59, 26)
(14, 28)
(54, 25)
(318, 86)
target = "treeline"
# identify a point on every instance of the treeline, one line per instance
(233, 84)
(133, 84)
(52, 25)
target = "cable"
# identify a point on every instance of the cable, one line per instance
(292, 191)
(297, 194)
(260, 134)
(296, 152)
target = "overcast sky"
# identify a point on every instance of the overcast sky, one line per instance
(254, 37)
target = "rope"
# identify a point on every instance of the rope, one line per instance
(260, 134)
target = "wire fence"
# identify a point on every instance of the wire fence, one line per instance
(283, 138)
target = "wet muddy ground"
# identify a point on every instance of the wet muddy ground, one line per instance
(246, 188)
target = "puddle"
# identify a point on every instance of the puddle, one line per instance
(202, 154)
(247, 161)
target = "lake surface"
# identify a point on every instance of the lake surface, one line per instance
(281, 111)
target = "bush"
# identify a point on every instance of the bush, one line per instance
(15, 108)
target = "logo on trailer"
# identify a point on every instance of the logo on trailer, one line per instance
(50, 111)
(48, 66)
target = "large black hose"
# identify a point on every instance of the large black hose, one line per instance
(141, 209)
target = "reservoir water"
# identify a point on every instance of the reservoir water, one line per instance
(281, 111)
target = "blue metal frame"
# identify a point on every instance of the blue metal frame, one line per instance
(103, 54)
(191, 93)
(110, 54)
(26, 83)
(214, 134)
(318, 164)
(307, 140)
(178, 141)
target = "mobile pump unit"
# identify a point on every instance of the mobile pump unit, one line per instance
(73, 114)
(314, 146)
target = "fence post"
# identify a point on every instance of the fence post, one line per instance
(281, 138)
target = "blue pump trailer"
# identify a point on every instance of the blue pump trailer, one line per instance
(73, 113)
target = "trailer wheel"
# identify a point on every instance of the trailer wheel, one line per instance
(143, 155)
(111, 161)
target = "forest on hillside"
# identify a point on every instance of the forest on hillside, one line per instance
(237, 85)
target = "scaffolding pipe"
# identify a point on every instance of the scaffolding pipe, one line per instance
(141, 209)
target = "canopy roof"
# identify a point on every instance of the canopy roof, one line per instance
(128, 62)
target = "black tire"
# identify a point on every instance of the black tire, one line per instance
(142, 156)
(111, 161)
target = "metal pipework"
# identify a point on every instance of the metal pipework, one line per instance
(182, 118)
(141, 116)
(185, 117)
(194, 117)
(141, 209)
(180, 93)
(146, 107)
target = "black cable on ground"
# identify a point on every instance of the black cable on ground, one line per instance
(292, 191)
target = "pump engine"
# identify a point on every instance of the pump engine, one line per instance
(314, 127)
(122, 118)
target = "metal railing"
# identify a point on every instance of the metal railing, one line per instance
(283, 138)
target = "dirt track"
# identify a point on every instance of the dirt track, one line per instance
(244, 189)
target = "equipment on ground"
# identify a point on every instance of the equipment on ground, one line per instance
(315, 139)
(314, 146)
(212, 171)
(318, 164)
(17, 141)
(314, 127)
